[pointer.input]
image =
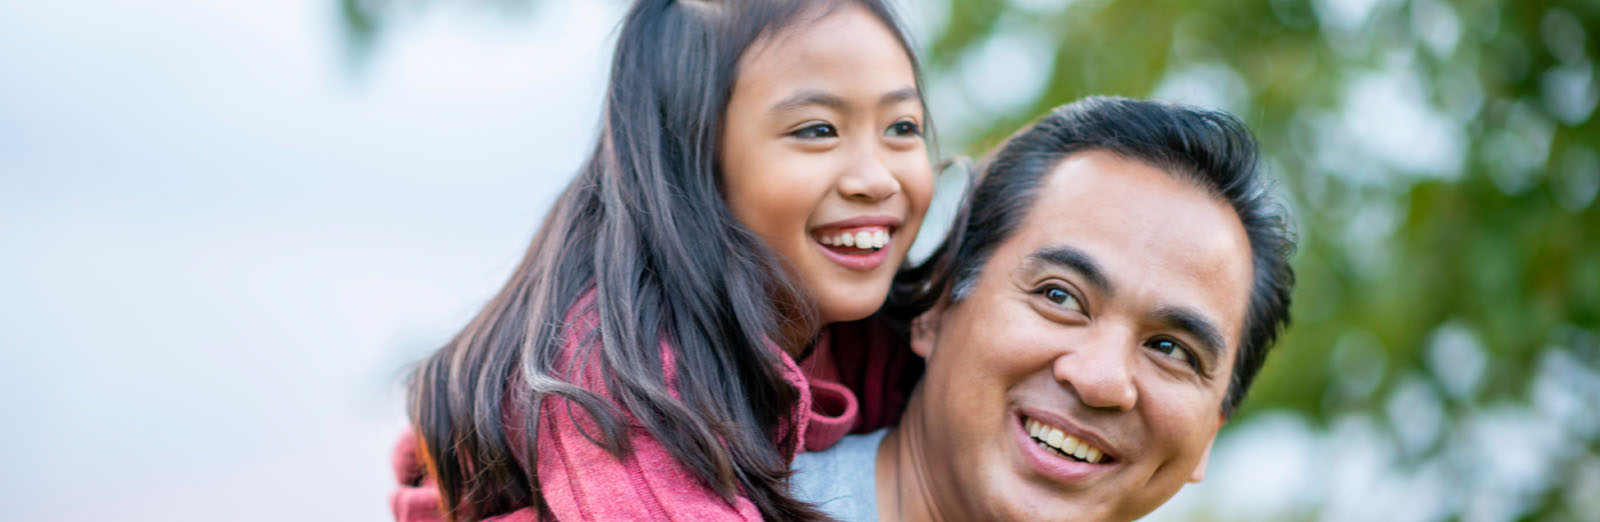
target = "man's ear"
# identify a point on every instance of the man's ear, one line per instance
(925, 330)
(1199, 472)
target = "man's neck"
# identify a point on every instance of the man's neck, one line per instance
(905, 493)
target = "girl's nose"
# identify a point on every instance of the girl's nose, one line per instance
(868, 178)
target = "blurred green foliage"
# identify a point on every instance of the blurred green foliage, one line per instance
(364, 23)
(1516, 262)
(1441, 160)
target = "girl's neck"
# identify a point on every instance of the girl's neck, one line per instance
(902, 471)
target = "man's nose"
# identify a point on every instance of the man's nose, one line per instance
(868, 177)
(1099, 370)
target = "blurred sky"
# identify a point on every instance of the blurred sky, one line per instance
(220, 243)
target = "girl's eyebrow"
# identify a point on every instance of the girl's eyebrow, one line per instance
(809, 97)
(806, 98)
(903, 94)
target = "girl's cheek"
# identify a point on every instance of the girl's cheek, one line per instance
(919, 185)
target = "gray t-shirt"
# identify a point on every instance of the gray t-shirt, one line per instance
(841, 480)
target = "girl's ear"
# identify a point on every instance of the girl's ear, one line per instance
(925, 330)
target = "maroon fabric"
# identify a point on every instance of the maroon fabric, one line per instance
(876, 366)
(581, 481)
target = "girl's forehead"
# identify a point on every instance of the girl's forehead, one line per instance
(829, 29)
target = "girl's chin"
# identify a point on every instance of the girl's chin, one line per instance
(839, 310)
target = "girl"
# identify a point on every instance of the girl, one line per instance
(759, 175)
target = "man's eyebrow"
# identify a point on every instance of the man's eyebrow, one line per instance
(1196, 325)
(1075, 260)
(811, 97)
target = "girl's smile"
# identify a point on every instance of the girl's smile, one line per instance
(859, 243)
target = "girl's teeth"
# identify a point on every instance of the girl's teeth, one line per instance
(864, 239)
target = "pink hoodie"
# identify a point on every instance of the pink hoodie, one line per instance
(580, 481)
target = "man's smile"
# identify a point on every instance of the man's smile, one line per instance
(1064, 445)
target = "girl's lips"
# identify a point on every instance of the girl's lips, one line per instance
(888, 222)
(855, 258)
(841, 241)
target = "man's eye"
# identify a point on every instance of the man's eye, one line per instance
(1061, 297)
(817, 132)
(904, 129)
(1172, 349)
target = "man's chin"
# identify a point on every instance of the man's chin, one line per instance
(1031, 500)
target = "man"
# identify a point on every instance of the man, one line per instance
(1101, 306)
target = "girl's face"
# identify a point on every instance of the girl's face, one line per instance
(823, 156)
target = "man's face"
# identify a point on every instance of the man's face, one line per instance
(1107, 323)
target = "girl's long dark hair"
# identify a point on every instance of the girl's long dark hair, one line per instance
(644, 224)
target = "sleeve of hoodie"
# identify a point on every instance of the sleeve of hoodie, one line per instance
(581, 481)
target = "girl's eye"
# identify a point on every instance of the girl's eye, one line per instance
(1061, 297)
(904, 129)
(1170, 348)
(817, 132)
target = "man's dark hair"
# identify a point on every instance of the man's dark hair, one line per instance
(1212, 149)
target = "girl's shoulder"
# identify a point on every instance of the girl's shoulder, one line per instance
(579, 360)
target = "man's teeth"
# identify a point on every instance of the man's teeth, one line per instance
(864, 239)
(1053, 438)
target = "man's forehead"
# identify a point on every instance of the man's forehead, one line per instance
(1157, 241)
